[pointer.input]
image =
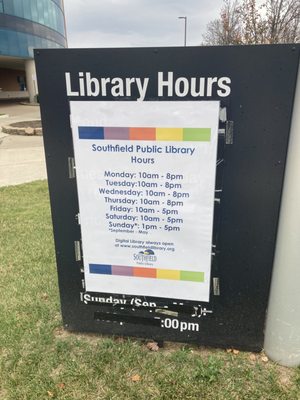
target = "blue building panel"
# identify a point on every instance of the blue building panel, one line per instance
(44, 12)
(18, 44)
(29, 24)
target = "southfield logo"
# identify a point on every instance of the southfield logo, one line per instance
(145, 257)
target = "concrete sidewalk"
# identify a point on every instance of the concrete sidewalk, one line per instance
(22, 158)
(18, 112)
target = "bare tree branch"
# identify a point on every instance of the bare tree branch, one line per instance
(246, 22)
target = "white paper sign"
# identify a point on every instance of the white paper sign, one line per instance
(146, 180)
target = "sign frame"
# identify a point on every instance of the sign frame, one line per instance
(259, 109)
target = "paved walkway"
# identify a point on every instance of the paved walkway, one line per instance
(22, 158)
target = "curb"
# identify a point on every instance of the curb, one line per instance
(23, 103)
(28, 131)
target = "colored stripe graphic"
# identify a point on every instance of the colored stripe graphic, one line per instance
(153, 134)
(116, 133)
(100, 269)
(123, 271)
(192, 276)
(196, 134)
(90, 132)
(142, 133)
(169, 134)
(168, 274)
(141, 272)
(144, 272)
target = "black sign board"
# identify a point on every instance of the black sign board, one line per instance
(255, 87)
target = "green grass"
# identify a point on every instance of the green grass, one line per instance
(39, 360)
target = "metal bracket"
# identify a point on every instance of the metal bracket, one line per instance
(229, 132)
(166, 312)
(71, 167)
(216, 286)
(77, 250)
(223, 114)
(213, 250)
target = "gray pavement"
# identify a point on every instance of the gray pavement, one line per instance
(18, 112)
(22, 158)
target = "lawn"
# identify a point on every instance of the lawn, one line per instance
(39, 360)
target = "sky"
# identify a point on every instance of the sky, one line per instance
(137, 23)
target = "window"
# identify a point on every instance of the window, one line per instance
(45, 12)
(22, 44)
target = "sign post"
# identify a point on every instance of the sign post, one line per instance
(282, 338)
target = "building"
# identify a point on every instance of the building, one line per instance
(24, 26)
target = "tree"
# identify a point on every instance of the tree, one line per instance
(246, 22)
(283, 20)
(226, 29)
